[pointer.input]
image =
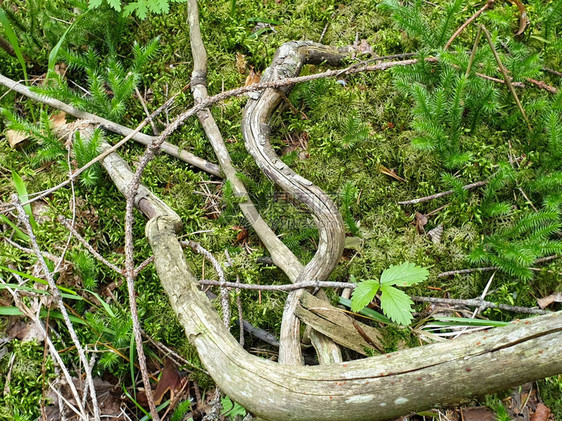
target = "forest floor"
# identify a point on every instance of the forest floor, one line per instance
(370, 140)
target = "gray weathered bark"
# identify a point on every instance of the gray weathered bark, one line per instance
(288, 61)
(375, 388)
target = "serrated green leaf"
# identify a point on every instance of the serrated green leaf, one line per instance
(94, 3)
(116, 4)
(363, 294)
(396, 304)
(404, 274)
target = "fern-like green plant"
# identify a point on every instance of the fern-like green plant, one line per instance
(140, 8)
(348, 195)
(110, 84)
(49, 147)
(514, 249)
(410, 18)
(85, 151)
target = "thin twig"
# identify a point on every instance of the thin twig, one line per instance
(35, 317)
(506, 76)
(88, 246)
(143, 103)
(445, 193)
(480, 304)
(238, 302)
(473, 53)
(488, 268)
(326, 26)
(114, 127)
(224, 296)
(287, 287)
(130, 278)
(468, 22)
(143, 265)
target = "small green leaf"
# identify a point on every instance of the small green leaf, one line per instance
(396, 304)
(404, 274)
(363, 294)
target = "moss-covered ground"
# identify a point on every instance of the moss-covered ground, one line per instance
(355, 130)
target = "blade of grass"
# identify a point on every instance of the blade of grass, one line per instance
(22, 193)
(35, 279)
(13, 39)
(134, 401)
(367, 312)
(17, 231)
(463, 321)
(39, 291)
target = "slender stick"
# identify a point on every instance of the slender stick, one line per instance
(114, 127)
(506, 76)
(468, 22)
(445, 193)
(92, 250)
(287, 287)
(22, 216)
(473, 53)
(481, 304)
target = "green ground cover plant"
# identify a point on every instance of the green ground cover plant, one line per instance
(431, 126)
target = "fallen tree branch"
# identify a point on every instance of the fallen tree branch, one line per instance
(282, 255)
(135, 134)
(438, 195)
(288, 61)
(375, 388)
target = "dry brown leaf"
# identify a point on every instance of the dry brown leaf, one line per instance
(252, 78)
(14, 138)
(58, 119)
(552, 298)
(421, 220)
(170, 380)
(541, 414)
(390, 173)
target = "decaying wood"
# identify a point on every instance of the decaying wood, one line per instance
(288, 61)
(337, 325)
(375, 388)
